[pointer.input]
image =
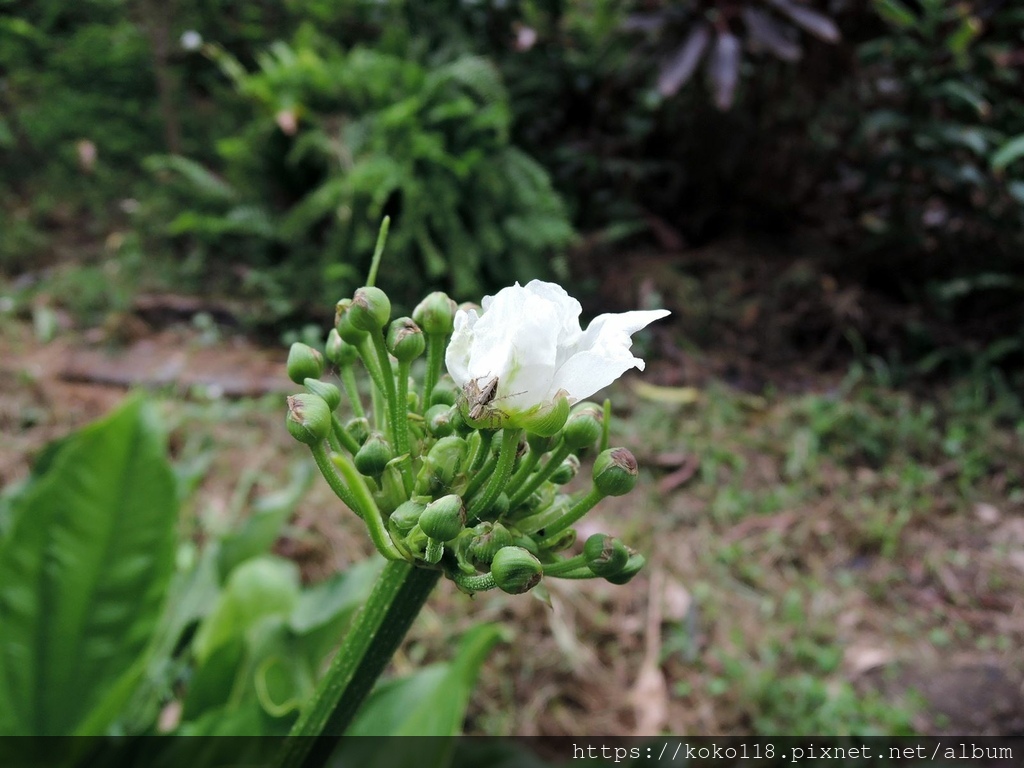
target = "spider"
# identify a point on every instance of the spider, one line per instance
(480, 400)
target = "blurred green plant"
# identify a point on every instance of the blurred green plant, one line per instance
(931, 163)
(155, 635)
(336, 139)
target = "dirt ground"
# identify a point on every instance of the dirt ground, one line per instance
(694, 644)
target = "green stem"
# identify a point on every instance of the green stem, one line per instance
(348, 379)
(502, 472)
(577, 573)
(606, 424)
(482, 451)
(377, 632)
(554, 462)
(478, 583)
(378, 251)
(370, 513)
(335, 482)
(526, 466)
(481, 476)
(402, 396)
(435, 359)
(395, 426)
(576, 511)
(565, 566)
(343, 437)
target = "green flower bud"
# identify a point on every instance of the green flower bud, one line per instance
(339, 351)
(374, 455)
(309, 418)
(370, 308)
(584, 426)
(343, 323)
(444, 519)
(632, 568)
(392, 485)
(439, 420)
(605, 556)
(442, 464)
(436, 314)
(445, 392)
(562, 541)
(545, 420)
(405, 340)
(406, 517)
(485, 542)
(515, 570)
(330, 393)
(566, 471)
(615, 472)
(359, 428)
(304, 362)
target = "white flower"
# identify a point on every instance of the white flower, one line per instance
(191, 40)
(527, 350)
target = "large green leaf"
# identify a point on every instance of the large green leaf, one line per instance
(83, 571)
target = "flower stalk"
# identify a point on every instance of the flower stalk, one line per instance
(438, 498)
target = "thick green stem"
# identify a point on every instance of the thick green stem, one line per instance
(435, 359)
(537, 479)
(502, 472)
(368, 508)
(483, 450)
(377, 632)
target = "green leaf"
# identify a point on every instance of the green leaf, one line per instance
(269, 514)
(431, 702)
(896, 13)
(1008, 153)
(266, 586)
(83, 572)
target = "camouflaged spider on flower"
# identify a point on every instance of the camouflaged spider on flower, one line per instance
(529, 351)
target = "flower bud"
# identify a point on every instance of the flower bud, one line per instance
(445, 392)
(359, 428)
(605, 556)
(545, 420)
(444, 519)
(566, 471)
(562, 541)
(405, 340)
(442, 464)
(343, 323)
(584, 426)
(439, 421)
(632, 568)
(615, 472)
(406, 517)
(304, 362)
(374, 455)
(330, 393)
(487, 539)
(436, 314)
(515, 570)
(339, 351)
(309, 418)
(370, 308)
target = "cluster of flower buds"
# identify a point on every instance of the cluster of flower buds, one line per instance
(445, 470)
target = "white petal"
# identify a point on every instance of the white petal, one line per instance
(602, 354)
